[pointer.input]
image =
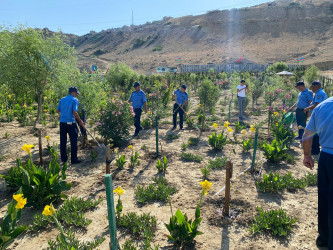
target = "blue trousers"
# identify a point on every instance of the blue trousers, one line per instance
(325, 198)
(176, 109)
(72, 131)
(301, 118)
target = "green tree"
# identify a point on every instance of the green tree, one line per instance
(30, 61)
(208, 96)
(278, 67)
(311, 74)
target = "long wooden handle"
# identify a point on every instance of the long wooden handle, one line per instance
(92, 136)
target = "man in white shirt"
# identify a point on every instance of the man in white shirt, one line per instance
(241, 98)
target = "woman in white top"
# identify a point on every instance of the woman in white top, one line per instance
(241, 98)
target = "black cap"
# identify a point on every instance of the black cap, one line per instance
(242, 80)
(299, 84)
(315, 83)
(184, 86)
(73, 89)
(136, 84)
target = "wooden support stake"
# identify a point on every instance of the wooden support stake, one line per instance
(108, 159)
(40, 146)
(111, 212)
(228, 175)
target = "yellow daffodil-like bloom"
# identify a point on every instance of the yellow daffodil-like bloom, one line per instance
(284, 111)
(215, 125)
(230, 130)
(27, 148)
(103, 93)
(8, 110)
(226, 124)
(149, 112)
(189, 142)
(199, 105)
(252, 128)
(243, 131)
(9, 96)
(25, 106)
(45, 97)
(206, 186)
(119, 191)
(21, 202)
(45, 110)
(130, 146)
(47, 137)
(17, 197)
(116, 150)
(276, 113)
(49, 210)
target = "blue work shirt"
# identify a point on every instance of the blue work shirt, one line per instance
(181, 97)
(321, 122)
(138, 99)
(66, 106)
(304, 98)
(319, 97)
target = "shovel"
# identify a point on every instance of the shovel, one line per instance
(101, 147)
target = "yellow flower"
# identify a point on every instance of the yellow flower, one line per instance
(25, 106)
(252, 128)
(45, 110)
(8, 110)
(21, 203)
(27, 148)
(17, 197)
(189, 142)
(45, 97)
(230, 130)
(47, 137)
(215, 125)
(199, 105)
(206, 186)
(149, 112)
(226, 124)
(119, 191)
(130, 146)
(116, 150)
(49, 210)
(276, 113)
(9, 96)
(243, 131)
(103, 93)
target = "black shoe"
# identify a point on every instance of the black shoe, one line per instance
(76, 162)
(320, 242)
(181, 129)
(135, 134)
(173, 128)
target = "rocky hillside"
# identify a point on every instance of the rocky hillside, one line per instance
(282, 30)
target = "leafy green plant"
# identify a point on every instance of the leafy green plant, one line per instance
(275, 151)
(121, 161)
(184, 146)
(71, 213)
(247, 144)
(40, 186)
(282, 132)
(9, 228)
(172, 136)
(144, 147)
(190, 157)
(134, 161)
(140, 226)
(6, 135)
(311, 179)
(239, 126)
(162, 165)
(146, 123)
(154, 192)
(182, 230)
(93, 155)
(193, 141)
(205, 172)
(217, 142)
(274, 222)
(218, 163)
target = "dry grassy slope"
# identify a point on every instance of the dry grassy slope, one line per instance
(261, 34)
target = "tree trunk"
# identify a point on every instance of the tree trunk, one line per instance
(39, 109)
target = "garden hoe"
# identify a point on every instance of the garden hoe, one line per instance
(186, 116)
(101, 149)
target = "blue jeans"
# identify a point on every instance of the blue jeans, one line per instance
(241, 106)
(325, 198)
(301, 118)
(72, 131)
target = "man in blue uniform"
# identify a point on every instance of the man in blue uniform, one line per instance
(304, 99)
(181, 100)
(321, 123)
(68, 108)
(319, 97)
(138, 99)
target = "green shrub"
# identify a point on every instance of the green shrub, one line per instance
(217, 142)
(138, 43)
(146, 123)
(205, 172)
(190, 157)
(247, 144)
(71, 213)
(157, 48)
(39, 186)
(274, 222)
(193, 141)
(282, 132)
(154, 192)
(275, 151)
(311, 179)
(121, 161)
(239, 126)
(218, 163)
(162, 165)
(69, 242)
(172, 136)
(184, 146)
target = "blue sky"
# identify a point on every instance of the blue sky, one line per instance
(80, 17)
